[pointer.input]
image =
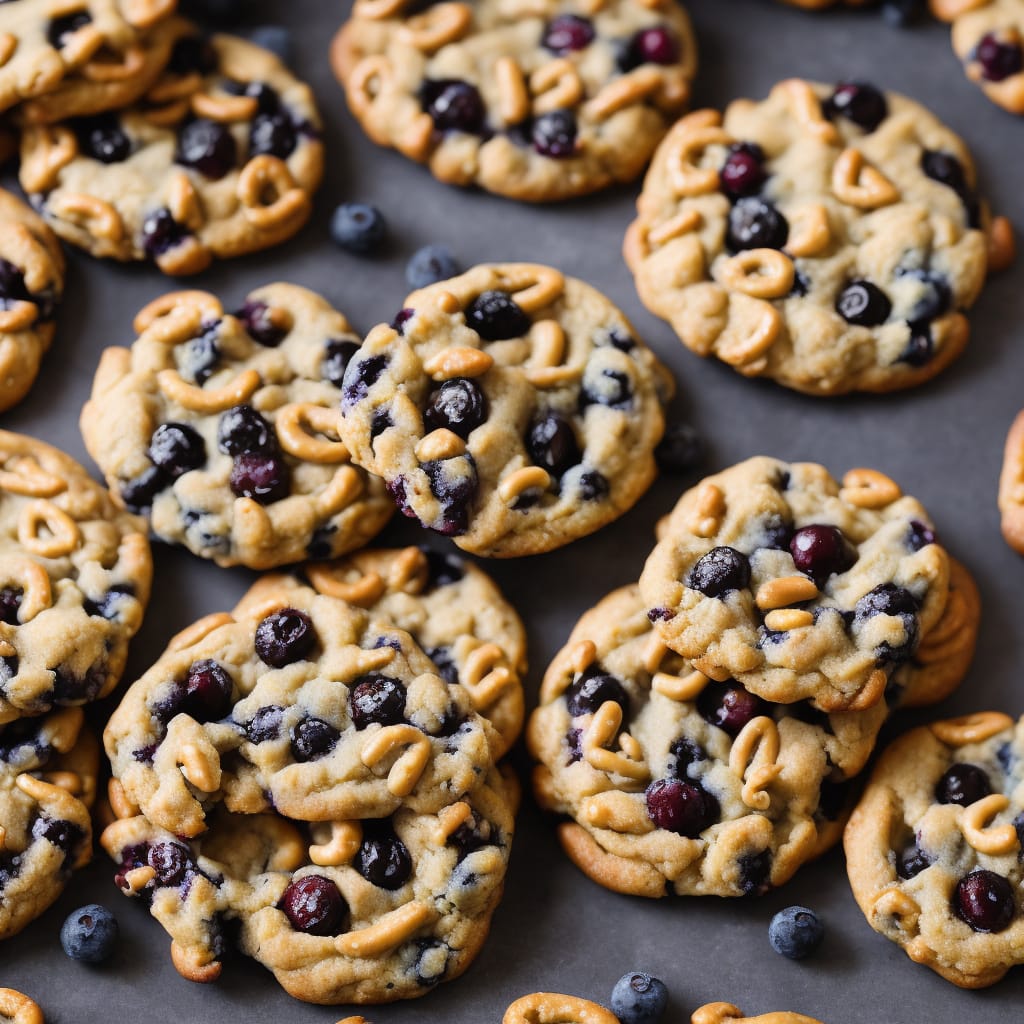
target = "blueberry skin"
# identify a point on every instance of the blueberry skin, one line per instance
(89, 933)
(639, 999)
(358, 228)
(795, 932)
(431, 264)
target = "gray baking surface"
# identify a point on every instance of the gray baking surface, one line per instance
(943, 442)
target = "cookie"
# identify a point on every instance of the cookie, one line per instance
(988, 37)
(226, 428)
(48, 769)
(303, 704)
(711, 791)
(31, 284)
(830, 239)
(536, 101)
(726, 1013)
(76, 577)
(512, 409)
(799, 587)
(220, 158)
(933, 849)
(452, 609)
(41, 43)
(1011, 486)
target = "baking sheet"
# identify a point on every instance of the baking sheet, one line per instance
(556, 930)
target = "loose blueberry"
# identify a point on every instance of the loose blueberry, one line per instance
(679, 806)
(963, 784)
(721, 571)
(376, 700)
(755, 223)
(175, 448)
(260, 323)
(314, 905)
(264, 477)
(863, 304)
(552, 445)
(207, 146)
(999, 60)
(743, 172)
(729, 707)
(359, 228)
(89, 934)
(554, 134)
(208, 690)
(360, 376)
(265, 725)
(242, 430)
(337, 355)
(453, 105)
(681, 450)
(383, 859)
(820, 551)
(985, 901)
(858, 102)
(457, 405)
(639, 999)
(911, 862)
(796, 932)
(495, 316)
(285, 637)
(591, 689)
(313, 738)
(429, 265)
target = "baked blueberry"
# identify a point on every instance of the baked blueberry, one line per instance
(337, 355)
(207, 146)
(265, 725)
(313, 738)
(729, 706)
(175, 449)
(821, 551)
(242, 430)
(314, 905)
(457, 405)
(208, 689)
(376, 700)
(963, 784)
(495, 316)
(755, 223)
(858, 102)
(864, 304)
(285, 637)
(551, 443)
(383, 859)
(911, 861)
(985, 901)
(591, 689)
(566, 33)
(999, 58)
(261, 324)
(262, 476)
(681, 806)
(720, 572)
(743, 172)
(453, 105)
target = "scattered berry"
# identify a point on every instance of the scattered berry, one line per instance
(681, 450)
(429, 265)
(639, 999)
(358, 228)
(796, 932)
(89, 933)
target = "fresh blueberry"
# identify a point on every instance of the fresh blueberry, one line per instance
(359, 228)
(285, 637)
(495, 316)
(260, 323)
(591, 689)
(314, 905)
(858, 102)
(963, 784)
(207, 146)
(639, 999)
(89, 933)
(721, 571)
(176, 448)
(730, 707)
(755, 223)
(102, 138)
(383, 859)
(242, 430)
(262, 476)
(275, 38)
(743, 172)
(429, 265)
(551, 443)
(796, 932)
(313, 738)
(820, 551)
(985, 901)
(681, 450)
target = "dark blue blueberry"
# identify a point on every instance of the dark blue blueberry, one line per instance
(102, 139)
(864, 304)
(551, 443)
(963, 784)
(593, 486)
(376, 700)
(138, 494)
(360, 376)
(273, 135)
(796, 932)
(383, 859)
(176, 448)
(285, 637)
(457, 405)
(454, 491)
(313, 738)
(65, 835)
(453, 105)
(314, 905)
(611, 388)
(242, 429)
(199, 355)
(1005, 757)
(566, 33)
(755, 223)
(755, 871)
(721, 571)
(430, 264)
(920, 535)
(858, 102)
(207, 146)
(275, 38)
(107, 606)
(821, 551)
(379, 422)
(444, 663)
(911, 861)
(554, 134)
(430, 963)
(920, 347)
(89, 934)
(936, 299)
(639, 999)
(592, 688)
(443, 569)
(681, 806)
(495, 316)
(161, 232)
(338, 354)
(681, 754)
(681, 450)
(655, 45)
(265, 725)
(256, 317)
(359, 228)
(801, 283)
(262, 476)
(208, 688)
(172, 863)
(71, 688)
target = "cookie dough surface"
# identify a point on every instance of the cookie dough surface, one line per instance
(1011, 486)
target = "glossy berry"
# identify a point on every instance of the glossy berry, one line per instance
(985, 901)
(10, 604)
(242, 429)
(819, 551)
(457, 405)
(998, 59)
(359, 228)
(175, 448)
(376, 700)
(920, 535)
(265, 725)
(261, 325)
(554, 134)
(656, 45)
(681, 450)
(611, 388)
(860, 103)
(591, 689)
(679, 806)
(285, 637)
(12, 283)
(495, 316)
(65, 835)
(566, 33)
(552, 445)
(863, 304)
(755, 223)
(273, 134)
(639, 999)
(207, 146)
(945, 169)
(208, 690)
(431, 264)
(796, 932)
(264, 477)
(314, 905)
(102, 139)
(313, 738)
(337, 355)
(729, 707)
(383, 859)
(199, 356)
(139, 493)
(721, 571)
(911, 861)
(962, 784)
(171, 862)
(60, 29)
(161, 232)
(743, 172)
(453, 105)
(89, 934)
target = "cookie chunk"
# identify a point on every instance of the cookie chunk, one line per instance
(934, 847)
(220, 158)
(679, 784)
(727, 1013)
(799, 587)
(511, 408)
(828, 238)
(988, 37)
(452, 609)
(537, 101)
(76, 576)
(31, 284)
(300, 703)
(48, 769)
(226, 428)
(1011, 486)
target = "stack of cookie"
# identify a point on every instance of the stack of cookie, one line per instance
(701, 730)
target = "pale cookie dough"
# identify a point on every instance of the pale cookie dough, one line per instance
(342, 912)
(1011, 486)
(798, 586)
(452, 609)
(535, 100)
(220, 158)
(31, 284)
(512, 408)
(828, 238)
(300, 703)
(75, 574)
(933, 849)
(226, 428)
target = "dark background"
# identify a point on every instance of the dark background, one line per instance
(943, 442)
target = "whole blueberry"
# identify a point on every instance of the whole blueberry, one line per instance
(206, 146)
(453, 105)
(592, 689)
(285, 637)
(314, 905)
(554, 134)
(313, 738)
(265, 725)
(431, 264)
(208, 688)
(864, 304)
(860, 103)
(358, 228)
(985, 901)
(820, 551)
(89, 933)
(457, 405)
(551, 443)
(998, 59)
(639, 999)
(681, 806)
(103, 139)
(161, 232)
(376, 699)
(383, 859)
(566, 33)
(963, 784)
(176, 448)
(655, 45)
(495, 316)
(337, 355)
(273, 134)
(721, 571)
(755, 223)
(796, 932)
(242, 429)
(262, 476)
(743, 172)
(911, 861)
(729, 707)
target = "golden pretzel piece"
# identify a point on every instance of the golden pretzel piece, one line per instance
(208, 402)
(19, 1008)
(406, 771)
(555, 1008)
(857, 183)
(681, 688)
(754, 760)
(346, 837)
(526, 479)
(34, 581)
(976, 728)
(782, 620)
(47, 531)
(604, 727)
(761, 273)
(708, 509)
(867, 488)
(985, 838)
(298, 422)
(440, 444)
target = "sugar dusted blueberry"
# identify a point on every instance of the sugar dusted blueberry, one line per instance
(242, 430)
(458, 405)
(963, 784)
(285, 637)
(376, 700)
(313, 738)
(755, 223)
(175, 449)
(591, 689)
(720, 572)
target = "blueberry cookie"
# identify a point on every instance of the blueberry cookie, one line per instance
(988, 37)
(828, 238)
(726, 1013)
(452, 609)
(798, 586)
(342, 912)
(226, 428)
(220, 158)
(934, 847)
(31, 284)
(511, 408)
(48, 769)
(42, 42)
(76, 573)
(1011, 486)
(536, 101)
(300, 703)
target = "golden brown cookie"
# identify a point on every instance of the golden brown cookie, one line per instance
(1011, 486)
